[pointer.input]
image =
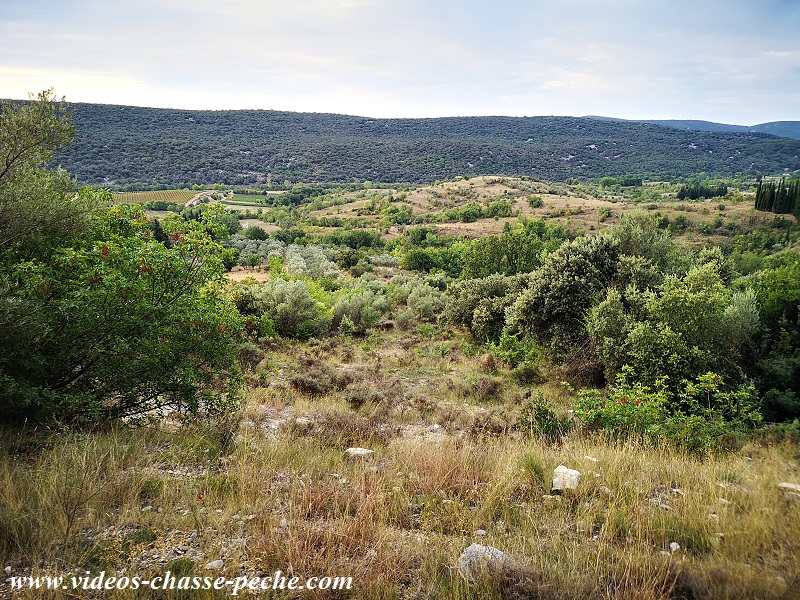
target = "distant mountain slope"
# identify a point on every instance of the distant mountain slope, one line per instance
(123, 145)
(787, 129)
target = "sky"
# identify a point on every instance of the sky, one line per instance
(731, 61)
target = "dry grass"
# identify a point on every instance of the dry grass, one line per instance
(277, 492)
(573, 206)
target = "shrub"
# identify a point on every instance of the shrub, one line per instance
(701, 418)
(318, 378)
(535, 201)
(425, 301)
(539, 420)
(403, 318)
(362, 310)
(309, 261)
(562, 290)
(291, 309)
(514, 351)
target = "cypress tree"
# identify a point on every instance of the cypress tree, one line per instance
(770, 197)
(760, 197)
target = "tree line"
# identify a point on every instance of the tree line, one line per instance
(779, 197)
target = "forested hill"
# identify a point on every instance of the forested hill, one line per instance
(124, 145)
(787, 129)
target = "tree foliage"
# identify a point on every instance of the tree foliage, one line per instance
(100, 320)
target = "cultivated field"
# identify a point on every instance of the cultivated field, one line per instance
(176, 196)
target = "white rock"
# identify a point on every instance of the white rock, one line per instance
(674, 546)
(789, 487)
(476, 559)
(215, 564)
(480, 532)
(7, 570)
(565, 478)
(359, 453)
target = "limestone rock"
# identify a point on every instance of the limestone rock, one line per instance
(789, 487)
(359, 453)
(215, 564)
(477, 559)
(565, 478)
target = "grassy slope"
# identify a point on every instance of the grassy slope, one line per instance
(265, 491)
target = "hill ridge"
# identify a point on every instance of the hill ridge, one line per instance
(118, 145)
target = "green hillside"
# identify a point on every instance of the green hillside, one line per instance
(118, 145)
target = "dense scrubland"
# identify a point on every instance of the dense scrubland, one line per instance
(179, 384)
(145, 148)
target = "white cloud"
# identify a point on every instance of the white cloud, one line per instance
(412, 57)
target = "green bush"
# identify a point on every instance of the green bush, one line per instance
(515, 351)
(538, 419)
(291, 309)
(703, 417)
(425, 301)
(359, 311)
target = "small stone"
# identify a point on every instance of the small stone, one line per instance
(590, 458)
(606, 491)
(725, 502)
(303, 423)
(480, 532)
(7, 570)
(193, 536)
(664, 553)
(476, 559)
(674, 547)
(660, 504)
(565, 478)
(147, 509)
(678, 492)
(250, 517)
(183, 548)
(359, 453)
(215, 564)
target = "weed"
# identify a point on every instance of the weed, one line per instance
(539, 420)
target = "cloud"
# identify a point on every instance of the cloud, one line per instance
(641, 58)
